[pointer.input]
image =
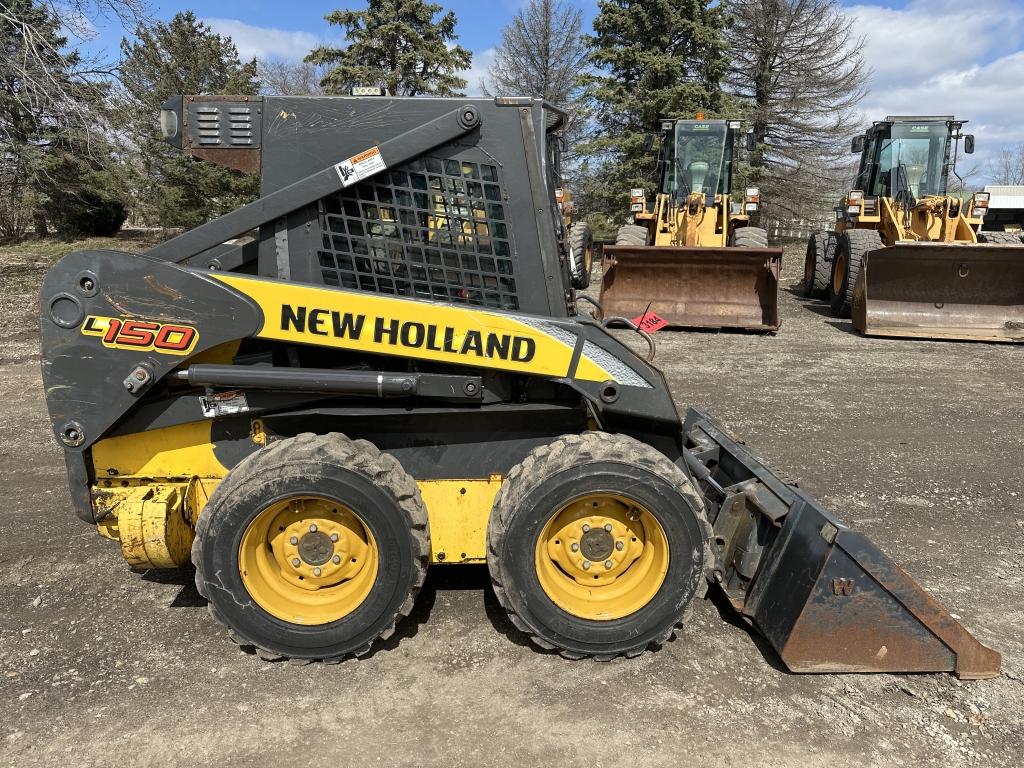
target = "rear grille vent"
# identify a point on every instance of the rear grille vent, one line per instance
(222, 124)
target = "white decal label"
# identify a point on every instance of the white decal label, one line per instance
(358, 167)
(224, 404)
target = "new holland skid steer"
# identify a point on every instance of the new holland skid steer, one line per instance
(907, 258)
(392, 376)
(690, 254)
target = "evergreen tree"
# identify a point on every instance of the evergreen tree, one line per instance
(181, 56)
(396, 44)
(53, 152)
(651, 59)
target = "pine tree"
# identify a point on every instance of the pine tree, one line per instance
(652, 59)
(396, 44)
(799, 67)
(52, 145)
(182, 56)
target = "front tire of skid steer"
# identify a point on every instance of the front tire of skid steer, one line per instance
(312, 548)
(597, 546)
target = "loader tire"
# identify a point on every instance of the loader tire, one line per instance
(624, 583)
(312, 548)
(749, 237)
(1001, 238)
(851, 246)
(631, 234)
(581, 240)
(821, 249)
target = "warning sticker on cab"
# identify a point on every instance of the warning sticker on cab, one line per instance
(360, 166)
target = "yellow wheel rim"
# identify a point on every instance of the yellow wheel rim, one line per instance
(602, 557)
(308, 560)
(839, 274)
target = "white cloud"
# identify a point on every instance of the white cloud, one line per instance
(942, 57)
(265, 42)
(477, 71)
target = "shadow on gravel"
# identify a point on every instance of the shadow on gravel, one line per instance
(730, 617)
(185, 577)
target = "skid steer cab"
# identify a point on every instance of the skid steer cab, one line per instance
(908, 257)
(390, 376)
(690, 253)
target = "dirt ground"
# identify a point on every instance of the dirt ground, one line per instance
(917, 443)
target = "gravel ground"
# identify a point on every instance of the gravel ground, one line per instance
(916, 443)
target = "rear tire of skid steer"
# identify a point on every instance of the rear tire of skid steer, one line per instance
(627, 494)
(581, 240)
(821, 249)
(851, 246)
(750, 237)
(631, 234)
(312, 501)
(1000, 238)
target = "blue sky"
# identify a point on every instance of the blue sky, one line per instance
(927, 56)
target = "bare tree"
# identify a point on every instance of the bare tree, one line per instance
(1008, 166)
(799, 67)
(283, 77)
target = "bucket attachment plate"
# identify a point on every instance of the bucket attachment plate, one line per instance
(694, 287)
(825, 597)
(942, 291)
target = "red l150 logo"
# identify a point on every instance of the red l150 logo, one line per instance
(142, 335)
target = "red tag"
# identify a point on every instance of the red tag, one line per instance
(650, 322)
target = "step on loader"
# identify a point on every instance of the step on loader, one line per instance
(690, 254)
(391, 375)
(909, 259)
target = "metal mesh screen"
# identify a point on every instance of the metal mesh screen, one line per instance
(434, 228)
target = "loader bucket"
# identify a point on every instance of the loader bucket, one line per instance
(694, 287)
(824, 596)
(942, 291)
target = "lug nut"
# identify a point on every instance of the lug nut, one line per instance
(296, 562)
(575, 547)
(608, 527)
(586, 528)
(608, 564)
(312, 527)
(334, 537)
(619, 546)
(293, 540)
(316, 571)
(336, 559)
(586, 565)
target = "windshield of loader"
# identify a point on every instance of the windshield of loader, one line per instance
(699, 159)
(920, 150)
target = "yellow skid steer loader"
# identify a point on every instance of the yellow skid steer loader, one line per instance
(690, 254)
(393, 376)
(907, 258)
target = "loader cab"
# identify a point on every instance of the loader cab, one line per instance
(907, 155)
(697, 156)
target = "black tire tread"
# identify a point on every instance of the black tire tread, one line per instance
(331, 448)
(860, 241)
(823, 244)
(580, 236)
(1000, 238)
(631, 234)
(563, 453)
(750, 237)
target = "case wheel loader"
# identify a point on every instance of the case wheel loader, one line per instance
(907, 258)
(691, 255)
(392, 376)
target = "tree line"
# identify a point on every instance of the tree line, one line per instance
(80, 147)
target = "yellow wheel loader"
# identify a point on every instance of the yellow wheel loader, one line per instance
(371, 388)
(581, 239)
(690, 254)
(907, 258)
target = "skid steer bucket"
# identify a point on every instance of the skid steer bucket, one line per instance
(694, 287)
(942, 291)
(825, 597)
